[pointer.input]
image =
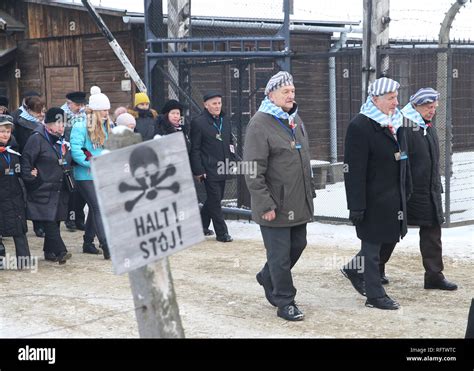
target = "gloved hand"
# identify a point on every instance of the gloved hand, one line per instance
(356, 216)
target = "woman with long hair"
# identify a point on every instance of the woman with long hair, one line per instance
(88, 138)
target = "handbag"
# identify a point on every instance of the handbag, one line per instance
(69, 181)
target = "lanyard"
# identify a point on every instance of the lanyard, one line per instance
(290, 131)
(58, 153)
(219, 129)
(7, 158)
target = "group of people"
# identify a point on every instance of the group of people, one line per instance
(45, 171)
(392, 180)
(391, 163)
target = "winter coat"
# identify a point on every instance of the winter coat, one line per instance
(146, 122)
(283, 180)
(424, 206)
(206, 150)
(165, 127)
(22, 131)
(375, 181)
(12, 203)
(80, 139)
(47, 195)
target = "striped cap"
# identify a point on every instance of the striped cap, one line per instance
(282, 78)
(6, 120)
(424, 95)
(383, 86)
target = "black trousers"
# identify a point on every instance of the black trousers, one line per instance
(431, 252)
(86, 188)
(366, 262)
(284, 246)
(76, 207)
(470, 322)
(212, 209)
(53, 242)
(21, 246)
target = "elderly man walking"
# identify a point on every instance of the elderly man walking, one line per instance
(281, 190)
(375, 158)
(424, 206)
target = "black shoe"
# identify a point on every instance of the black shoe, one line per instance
(443, 284)
(89, 248)
(224, 238)
(356, 280)
(51, 257)
(384, 280)
(39, 232)
(268, 292)
(70, 225)
(290, 312)
(80, 226)
(382, 303)
(63, 257)
(106, 251)
(208, 232)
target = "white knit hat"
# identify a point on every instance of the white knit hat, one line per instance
(97, 100)
(125, 119)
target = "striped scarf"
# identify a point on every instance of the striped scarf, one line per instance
(71, 116)
(413, 115)
(371, 111)
(268, 107)
(29, 117)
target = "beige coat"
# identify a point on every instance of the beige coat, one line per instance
(283, 180)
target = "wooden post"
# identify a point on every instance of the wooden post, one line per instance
(375, 33)
(153, 293)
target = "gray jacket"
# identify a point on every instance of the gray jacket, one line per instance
(283, 180)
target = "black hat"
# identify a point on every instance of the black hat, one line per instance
(6, 120)
(171, 105)
(31, 93)
(210, 95)
(54, 114)
(78, 97)
(3, 101)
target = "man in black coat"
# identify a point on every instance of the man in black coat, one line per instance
(211, 145)
(424, 207)
(375, 158)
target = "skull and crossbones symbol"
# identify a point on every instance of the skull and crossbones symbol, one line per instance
(144, 166)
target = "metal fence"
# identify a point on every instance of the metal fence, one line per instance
(237, 59)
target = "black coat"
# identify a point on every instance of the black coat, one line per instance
(165, 128)
(47, 198)
(12, 203)
(206, 149)
(424, 206)
(22, 131)
(146, 123)
(375, 181)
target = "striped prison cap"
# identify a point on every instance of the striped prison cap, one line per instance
(383, 86)
(282, 78)
(424, 95)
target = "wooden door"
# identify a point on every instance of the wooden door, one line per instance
(59, 82)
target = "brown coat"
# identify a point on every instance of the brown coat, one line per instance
(283, 180)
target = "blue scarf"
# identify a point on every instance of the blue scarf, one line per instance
(268, 107)
(371, 111)
(29, 117)
(71, 116)
(413, 115)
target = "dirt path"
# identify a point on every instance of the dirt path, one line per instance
(219, 297)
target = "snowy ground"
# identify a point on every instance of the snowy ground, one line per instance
(331, 201)
(219, 298)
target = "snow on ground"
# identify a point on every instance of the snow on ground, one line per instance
(331, 201)
(458, 242)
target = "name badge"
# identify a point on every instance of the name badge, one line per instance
(219, 137)
(9, 172)
(400, 156)
(62, 162)
(298, 146)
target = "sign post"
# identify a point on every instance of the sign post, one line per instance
(149, 210)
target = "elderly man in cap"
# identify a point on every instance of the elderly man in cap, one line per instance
(281, 191)
(375, 172)
(424, 208)
(211, 145)
(74, 109)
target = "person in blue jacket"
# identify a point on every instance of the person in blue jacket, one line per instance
(88, 138)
